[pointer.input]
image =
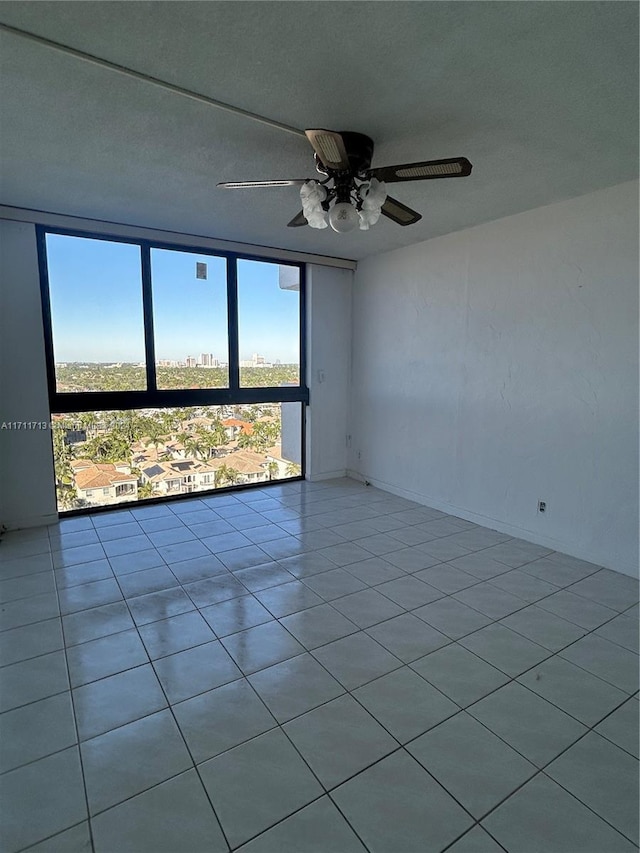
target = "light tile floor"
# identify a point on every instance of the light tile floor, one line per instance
(312, 667)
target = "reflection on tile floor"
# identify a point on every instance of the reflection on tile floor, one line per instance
(312, 667)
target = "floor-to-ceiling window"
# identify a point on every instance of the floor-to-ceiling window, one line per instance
(171, 370)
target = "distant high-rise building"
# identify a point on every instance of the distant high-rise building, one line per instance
(191, 361)
(206, 359)
(257, 359)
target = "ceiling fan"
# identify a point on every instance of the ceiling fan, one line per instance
(351, 192)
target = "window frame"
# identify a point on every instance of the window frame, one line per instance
(153, 398)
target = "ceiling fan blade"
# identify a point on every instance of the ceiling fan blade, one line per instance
(298, 220)
(457, 167)
(330, 148)
(241, 185)
(400, 213)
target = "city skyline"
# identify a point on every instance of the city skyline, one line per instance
(102, 323)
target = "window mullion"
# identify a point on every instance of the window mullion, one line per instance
(147, 307)
(232, 313)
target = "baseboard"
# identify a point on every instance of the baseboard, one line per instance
(537, 538)
(327, 475)
(31, 521)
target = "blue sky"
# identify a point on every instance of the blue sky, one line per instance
(96, 304)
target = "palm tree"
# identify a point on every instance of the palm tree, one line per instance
(145, 490)
(293, 469)
(225, 474)
(273, 470)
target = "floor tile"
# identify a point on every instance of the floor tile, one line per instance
(480, 565)
(452, 617)
(119, 531)
(83, 573)
(136, 562)
(288, 598)
(74, 840)
(318, 626)
(543, 628)
(459, 674)
(114, 701)
(26, 586)
(266, 772)
(524, 586)
(263, 576)
(148, 580)
(41, 799)
(612, 589)
(236, 614)
(471, 763)
(374, 571)
(262, 646)
(621, 727)
(604, 778)
(505, 649)
(622, 630)
(175, 815)
(516, 552)
(535, 728)
(181, 551)
(21, 566)
(30, 641)
(356, 659)
(409, 592)
(88, 595)
(171, 536)
(581, 611)
(305, 565)
(221, 719)
(96, 622)
(396, 806)
(36, 730)
(411, 559)
(488, 599)
(555, 572)
(281, 548)
(213, 590)
(168, 636)
(105, 656)
(318, 828)
(344, 554)
(407, 637)
(367, 607)
(196, 670)
(128, 545)
(222, 542)
(574, 690)
(405, 704)
(476, 841)
(33, 679)
(159, 605)
(447, 578)
(339, 739)
(199, 568)
(334, 584)
(82, 554)
(162, 522)
(607, 660)
(246, 557)
(295, 686)
(126, 761)
(27, 611)
(568, 826)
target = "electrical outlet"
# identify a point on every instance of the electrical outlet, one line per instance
(542, 506)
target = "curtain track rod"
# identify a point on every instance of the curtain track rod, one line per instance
(147, 78)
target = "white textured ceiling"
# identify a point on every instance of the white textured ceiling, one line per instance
(542, 97)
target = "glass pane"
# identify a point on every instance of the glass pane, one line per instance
(108, 458)
(95, 289)
(190, 319)
(268, 324)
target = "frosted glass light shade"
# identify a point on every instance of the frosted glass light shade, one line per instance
(343, 217)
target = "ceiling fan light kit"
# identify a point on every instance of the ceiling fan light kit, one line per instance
(352, 194)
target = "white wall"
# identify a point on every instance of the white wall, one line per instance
(328, 370)
(27, 490)
(498, 366)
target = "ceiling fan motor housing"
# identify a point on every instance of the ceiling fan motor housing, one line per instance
(359, 150)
